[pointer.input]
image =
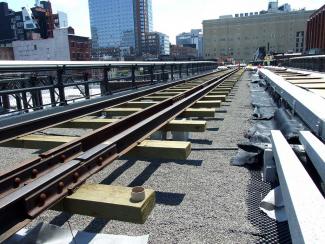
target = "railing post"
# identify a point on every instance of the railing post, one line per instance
(60, 72)
(163, 72)
(180, 71)
(6, 102)
(35, 94)
(151, 69)
(18, 101)
(172, 72)
(104, 89)
(187, 73)
(52, 91)
(24, 98)
(133, 68)
(87, 93)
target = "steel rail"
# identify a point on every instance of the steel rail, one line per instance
(11, 130)
(38, 184)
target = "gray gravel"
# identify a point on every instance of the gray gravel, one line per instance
(200, 200)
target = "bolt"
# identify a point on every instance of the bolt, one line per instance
(63, 157)
(34, 173)
(17, 182)
(75, 177)
(100, 160)
(42, 198)
(61, 186)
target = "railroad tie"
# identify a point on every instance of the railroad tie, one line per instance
(108, 202)
(174, 125)
(173, 150)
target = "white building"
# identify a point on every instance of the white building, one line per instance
(62, 19)
(191, 39)
(55, 49)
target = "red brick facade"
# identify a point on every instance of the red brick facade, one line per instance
(316, 30)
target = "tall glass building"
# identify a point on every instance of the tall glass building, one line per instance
(120, 24)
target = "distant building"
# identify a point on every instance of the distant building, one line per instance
(250, 37)
(61, 20)
(155, 44)
(64, 46)
(29, 24)
(11, 24)
(79, 46)
(315, 43)
(43, 16)
(195, 37)
(6, 53)
(178, 52)
(120, 24)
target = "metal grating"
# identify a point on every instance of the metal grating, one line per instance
(270, 230)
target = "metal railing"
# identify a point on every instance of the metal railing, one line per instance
(46, 84)
(314, 63)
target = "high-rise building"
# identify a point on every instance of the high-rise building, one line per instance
(120, 24)
(155, 44)
(191, 39)
(251, 37)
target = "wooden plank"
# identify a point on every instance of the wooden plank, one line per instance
(137, 104)
(41, 142)
(320, 92)
(203, 112)
(174, 125)
(186, 126)
(313, 86)
(199, 112)
(210, 97)
(322, 81)
(171, 94)
(87, 123)
(108, 202)
(120, 111)
(303, 78)
(222, 89)
(177, 90)
(216, 92)
(151, 149)
(153, 98)
(207, 104)
(147, 148)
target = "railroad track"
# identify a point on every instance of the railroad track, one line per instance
(37, 184)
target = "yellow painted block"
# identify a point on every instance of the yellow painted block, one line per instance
(108, 202)
(207, 104)
(199, 112)
(152, 149)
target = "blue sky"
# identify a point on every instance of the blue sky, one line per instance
(169, 16)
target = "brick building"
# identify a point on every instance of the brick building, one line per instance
(79, 46)
(316, 31)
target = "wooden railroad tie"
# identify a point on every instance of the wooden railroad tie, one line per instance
(108, 202)
(174, 125)
(190, 112)
(149, 149)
